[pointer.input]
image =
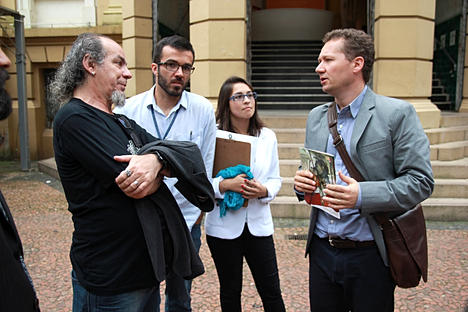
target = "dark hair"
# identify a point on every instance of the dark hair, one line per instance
(71, 73)
(355, 43)
(175, 41)
(223, 113)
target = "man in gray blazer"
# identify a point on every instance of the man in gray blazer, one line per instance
(348, 265)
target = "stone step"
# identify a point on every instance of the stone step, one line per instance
(450, 188)
(450, 119)
(444, 188)
(454, 169)
(288, 167)
(292, 135)
(289, 150)
(447, 134)
(293, 104)
(449, 151)
(48, 166)
(435, 209)
(446, 151)
(284, 121)
(446, 209)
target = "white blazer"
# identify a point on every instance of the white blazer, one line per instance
(265, 169)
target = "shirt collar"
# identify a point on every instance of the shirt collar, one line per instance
(356, 103)
(151, 101)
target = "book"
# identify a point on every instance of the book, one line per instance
(322, 165)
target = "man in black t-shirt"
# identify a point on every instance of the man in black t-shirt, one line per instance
(112, 266)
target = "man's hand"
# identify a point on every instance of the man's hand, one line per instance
(304, 181)
(341, 196)
(140, 178)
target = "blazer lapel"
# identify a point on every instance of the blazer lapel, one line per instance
(323, 131)
(360, 125)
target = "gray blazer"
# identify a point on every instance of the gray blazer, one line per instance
(390, 149)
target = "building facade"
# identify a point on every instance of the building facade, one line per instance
(222, 32)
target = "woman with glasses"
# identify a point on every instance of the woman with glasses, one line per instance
(246, 232)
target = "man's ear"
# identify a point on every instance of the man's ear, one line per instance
(154, 69)
(358, 64)
(89, 64)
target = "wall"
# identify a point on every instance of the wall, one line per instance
(46, 48)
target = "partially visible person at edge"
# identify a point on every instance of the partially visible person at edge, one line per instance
(246, 232)
(169, 112)
(16, 287)
(348, 265)
(117, 263)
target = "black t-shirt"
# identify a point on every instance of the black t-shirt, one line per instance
(108, 252)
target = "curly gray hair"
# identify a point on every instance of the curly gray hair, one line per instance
(71, 73)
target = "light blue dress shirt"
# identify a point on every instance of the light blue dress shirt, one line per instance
(351, 225)
(194, 121)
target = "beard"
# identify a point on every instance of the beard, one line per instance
(5, 99)
(118, 98)
(164, 84)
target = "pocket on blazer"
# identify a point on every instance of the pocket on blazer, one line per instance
(375, 146)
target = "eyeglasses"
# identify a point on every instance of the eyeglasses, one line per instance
(173, 66)
(240, 97)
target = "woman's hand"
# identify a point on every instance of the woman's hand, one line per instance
(233, 184)
(253, 189)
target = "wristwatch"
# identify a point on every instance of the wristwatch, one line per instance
(161, 159)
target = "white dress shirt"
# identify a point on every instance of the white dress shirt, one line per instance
(194, 121)
(265, 169)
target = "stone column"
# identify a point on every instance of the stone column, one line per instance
(218, 35)
(404, 40)
(137, 43)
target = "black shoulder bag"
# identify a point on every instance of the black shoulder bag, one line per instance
(405, 235)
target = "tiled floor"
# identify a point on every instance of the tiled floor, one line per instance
(45, 226)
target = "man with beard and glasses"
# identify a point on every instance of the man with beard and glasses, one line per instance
(127, 227)
(16, 288)
(169, 112)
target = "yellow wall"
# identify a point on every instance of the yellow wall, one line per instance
(404, 39)
(45, 48)
(218, 35)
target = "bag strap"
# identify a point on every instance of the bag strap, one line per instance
(123, 121)
(338, 142)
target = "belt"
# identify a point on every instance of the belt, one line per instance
(347, 243)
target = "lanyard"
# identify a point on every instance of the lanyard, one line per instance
(156, 123)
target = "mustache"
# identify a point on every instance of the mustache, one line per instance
(4, 76)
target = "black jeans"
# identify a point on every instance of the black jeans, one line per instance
(354, 279)
(259, 252)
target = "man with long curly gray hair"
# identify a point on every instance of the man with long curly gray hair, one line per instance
(111, 265)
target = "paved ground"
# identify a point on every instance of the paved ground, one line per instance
(39, 208)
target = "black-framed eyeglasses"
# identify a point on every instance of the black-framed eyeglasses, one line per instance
(173, 66)
(240, 97)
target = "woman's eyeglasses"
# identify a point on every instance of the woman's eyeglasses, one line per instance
(240, 97)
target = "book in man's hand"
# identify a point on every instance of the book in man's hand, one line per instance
(322, 165)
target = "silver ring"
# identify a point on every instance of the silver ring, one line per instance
(128, 172)
(136, 183)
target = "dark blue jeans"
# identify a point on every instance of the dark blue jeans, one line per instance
(142, 300)
(259, 252)
(178, 289)
(353, 279)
